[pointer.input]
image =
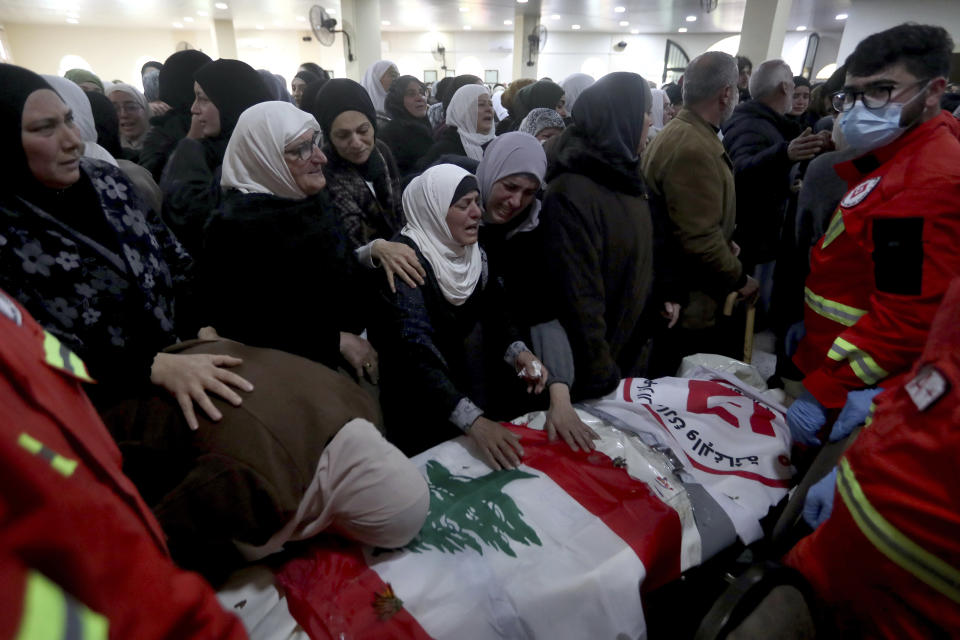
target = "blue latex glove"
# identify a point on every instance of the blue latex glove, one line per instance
(854, 413)
(805, 417)
(791, 341)
(819, 500)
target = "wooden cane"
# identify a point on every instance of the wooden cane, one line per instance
(728, 305)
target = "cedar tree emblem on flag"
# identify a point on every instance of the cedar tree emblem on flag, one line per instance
(472, 512)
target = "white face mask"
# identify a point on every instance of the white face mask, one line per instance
(868, 129)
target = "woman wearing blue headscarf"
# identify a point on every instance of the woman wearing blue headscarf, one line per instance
(599, 232)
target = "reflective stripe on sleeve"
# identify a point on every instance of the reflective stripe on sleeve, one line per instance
(834, 229)
(49, 613)
(65, 466)
(60, 357)
(832, 310)
(862, 363)
(892, 543)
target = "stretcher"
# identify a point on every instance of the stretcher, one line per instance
(563, 547)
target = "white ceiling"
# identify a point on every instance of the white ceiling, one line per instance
(645, 16)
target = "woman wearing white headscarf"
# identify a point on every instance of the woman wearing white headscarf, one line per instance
(469, 125)
(510, 177)
(573, 85)
(76, 99)
(426, 335)
(377, 80)
(270, 236)
(133, 113)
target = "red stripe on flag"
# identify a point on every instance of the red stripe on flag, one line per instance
(770, 482)
(626, 389)
(331, 592)
(625, 505)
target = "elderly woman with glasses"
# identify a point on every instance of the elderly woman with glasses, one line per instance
(133, 113)
(275, 270)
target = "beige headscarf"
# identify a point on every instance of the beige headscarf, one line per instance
(141, 100)
(425, 203)
(253, 161)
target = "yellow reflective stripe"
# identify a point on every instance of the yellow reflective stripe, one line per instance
(50, 614)
(832, 310)
(59, 356)
(892, 543)
(869, 420)
(862, 363)
(51, 349)
(833, 230)
(65, 466)
(44, 614)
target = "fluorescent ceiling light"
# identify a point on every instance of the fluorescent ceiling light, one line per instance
(841, 16)
(521, 1)
(619, 9)
(178, 25)
(801, 28)
(508, 22)
(259, 27)
(301, 19)
(575, 27)
(555, 16)
(221, 5)
(624, 23)
(73, 21)
(634, 31)
(682, 30)
(385, 23)
(187, 19)
(464, 9)
(467, 27)
(202, 13)
(691, 18)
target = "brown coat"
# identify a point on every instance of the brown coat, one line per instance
(690, 177)
(243, 477)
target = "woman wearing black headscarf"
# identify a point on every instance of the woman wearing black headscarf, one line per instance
(599, 231)
(90, 262)
(176, 90)
(543, 94)
(408, 133)
(298, 84)
(191, 181)
(309, 100)
(362, 179)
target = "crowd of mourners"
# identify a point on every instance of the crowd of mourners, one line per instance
(282, 293)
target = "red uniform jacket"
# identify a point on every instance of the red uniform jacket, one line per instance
(886, 564)
(880, 271)
(79, 550)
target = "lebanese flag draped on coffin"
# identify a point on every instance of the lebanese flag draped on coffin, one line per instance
(557, 548)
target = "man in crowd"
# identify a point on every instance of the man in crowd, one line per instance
(692, 184)
(758, 139)
(890, 251)
(744, 70)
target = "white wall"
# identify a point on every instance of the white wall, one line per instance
(871, 16)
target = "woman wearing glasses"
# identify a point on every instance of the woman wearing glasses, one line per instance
(133, 113)
(275, 271)
(408, 134)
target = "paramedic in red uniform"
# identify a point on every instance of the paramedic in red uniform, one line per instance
(886, 563)
(81, 556)
(880, 271)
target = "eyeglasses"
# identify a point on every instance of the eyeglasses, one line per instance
(129, 107)
(872, 97)
(413, 93)
(305, 150)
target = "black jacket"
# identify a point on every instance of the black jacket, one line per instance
(278, 273)
(430, 357)
(161, 139)
(448, 143)
(599, 235)
(409, 140)
(191, 188)
(756, 138)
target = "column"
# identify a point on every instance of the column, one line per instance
(224, 39)
(361, 20)
(525, 20)
(764, 27)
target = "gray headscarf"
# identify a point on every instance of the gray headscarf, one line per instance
(151, 85)
(508, 155)
(141, 100)
(74, 97)
(540, 119)
(573, 85)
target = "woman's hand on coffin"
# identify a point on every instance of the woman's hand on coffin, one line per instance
(671, 311)
(190, 377)
(533, 371)
(361, 355)
(499, 447)
(563, 421)
(398, 259)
